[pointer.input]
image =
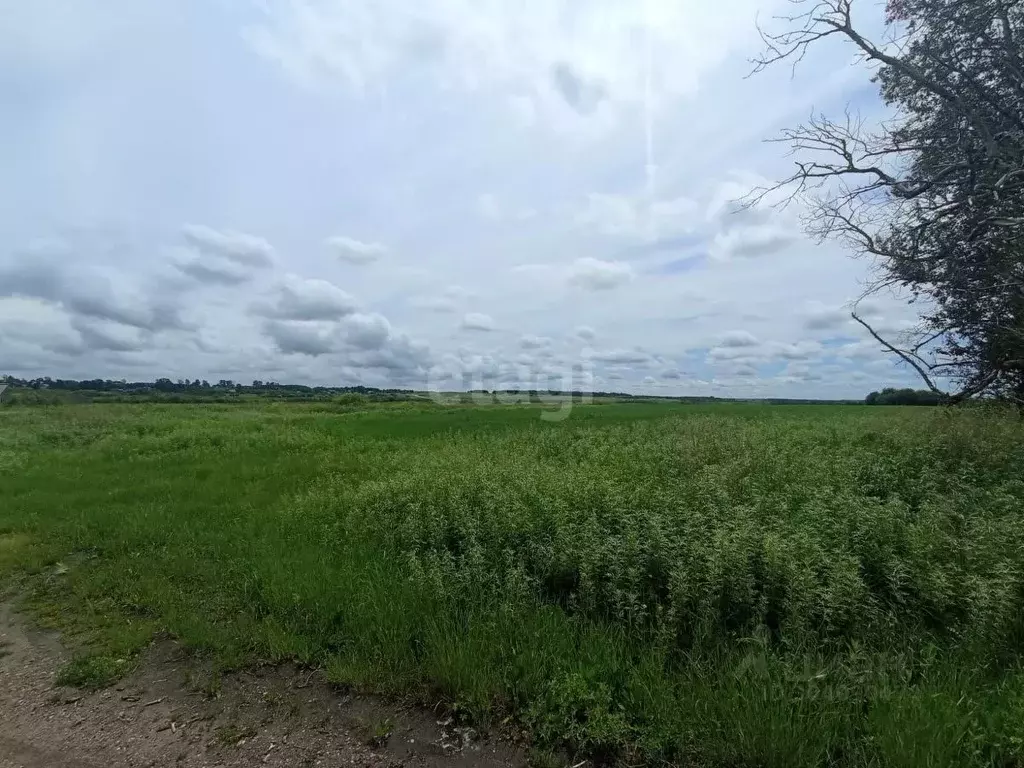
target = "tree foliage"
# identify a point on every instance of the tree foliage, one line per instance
(893, 396)
(935, 195)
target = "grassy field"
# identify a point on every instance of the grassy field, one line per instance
(709, 585)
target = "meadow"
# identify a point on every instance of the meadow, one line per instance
(717, 585)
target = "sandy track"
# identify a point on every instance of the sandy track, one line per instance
(156, 717)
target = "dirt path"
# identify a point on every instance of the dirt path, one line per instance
(167, 713)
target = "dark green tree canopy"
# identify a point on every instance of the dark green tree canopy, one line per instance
(936, 195)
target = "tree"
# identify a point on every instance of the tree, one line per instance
(893, 396)
(936, 195)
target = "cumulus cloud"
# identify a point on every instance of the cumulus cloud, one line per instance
(737, 347)
(203, 270)
(622, 357)
(750, 241)
(744, 371)
(303, 337)
(530, 341)
(355, 251)
(800, 372)
(100, 335)
(802, 350)
(476, 321)
(819, 317)
(29, 322)
(402, 357)
(581, 93)
(88, 292)
(299, 298)
(741, 231)
(739, 339)
(597, 275)
(585, 332)
(367, 331)
(239, 247)
(722, 354)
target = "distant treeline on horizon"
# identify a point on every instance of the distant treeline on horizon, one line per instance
(227, 390)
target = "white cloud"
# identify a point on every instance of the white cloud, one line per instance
(739, 339)
(355, 251)
(367, 331)
(637, 218)
(819, 317)
(530, 341)
(35, 323)
(247, 250)
(559, 62)
(303, 337)
(801, 372)
(107, 335)
(476, 321)
(585, 332)
(744, 370)
(203, 269)
(802, 350)
(750, 241)
(722, 354)
(297, 298)
(610, 215)
(622, 357)
(100, 294)
(597, 275)
(867, 349)
(403, 360)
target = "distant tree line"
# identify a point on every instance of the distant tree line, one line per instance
(46, 390)
(183, 385)
(893, 396)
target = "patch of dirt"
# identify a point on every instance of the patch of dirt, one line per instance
(171, 712)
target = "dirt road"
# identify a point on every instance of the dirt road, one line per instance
(167, 713)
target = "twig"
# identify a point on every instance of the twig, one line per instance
(906, 358)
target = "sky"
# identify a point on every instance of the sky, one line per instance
(446, 194)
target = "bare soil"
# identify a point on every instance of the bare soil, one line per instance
(170, 712)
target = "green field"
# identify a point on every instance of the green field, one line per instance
(709, 585)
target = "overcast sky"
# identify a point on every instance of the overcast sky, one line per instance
(401, 193)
